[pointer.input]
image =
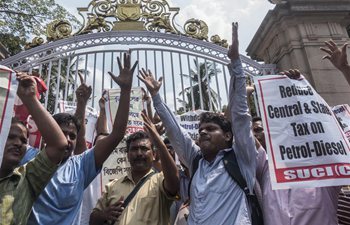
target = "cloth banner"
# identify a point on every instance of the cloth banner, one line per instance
(117, 165)
(342, 112)
(8, 89)
(91, 116)
(305, 143)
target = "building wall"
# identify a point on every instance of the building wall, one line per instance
(291, 36)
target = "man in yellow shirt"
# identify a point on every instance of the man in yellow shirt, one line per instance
(152, 202)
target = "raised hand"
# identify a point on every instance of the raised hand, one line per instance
(27, 86)
(152, 84)
(337, 56)
(292, 74)
(233, 52)
(149, 127)
(83, 92)
(124, 80)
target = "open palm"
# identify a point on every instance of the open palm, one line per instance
(152, 84)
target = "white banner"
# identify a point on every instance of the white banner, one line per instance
(190, 122)
(117, 165)
(8, 89)
(305, 143)
(342, 112)
(90, 119)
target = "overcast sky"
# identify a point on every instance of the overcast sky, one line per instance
(218, 14)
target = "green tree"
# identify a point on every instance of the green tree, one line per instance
(201, 80)
(24, 19)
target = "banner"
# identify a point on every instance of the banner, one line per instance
(190, 122)
(91, 116)
(342, 112)
(8, 89)
(117, 165)
(305, 143)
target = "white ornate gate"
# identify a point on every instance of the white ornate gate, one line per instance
(194, 69)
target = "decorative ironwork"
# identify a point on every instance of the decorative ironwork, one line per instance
(196, 29)
(35, 42)
(58, 29)
(150, 15)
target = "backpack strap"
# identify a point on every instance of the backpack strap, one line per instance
(232, 168)
(195, 164)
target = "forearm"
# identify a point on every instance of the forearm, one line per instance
(171, 174)
(180, 140)
(80, 115)
(346, 73)
(54, 138)
(105, 146)
(149, 110)
(101, 124)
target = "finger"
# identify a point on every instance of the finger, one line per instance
(112, 76)
(81, 77)
(160, 80)
(331, 42)
(141, 78)
(326, 50)
(330, 46)
(144, 72)
(126, 61)
(326, 57)
(134, 66)
(119, 64)
(343, 49)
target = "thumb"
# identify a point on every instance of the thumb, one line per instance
(344, 48)
(121, 199)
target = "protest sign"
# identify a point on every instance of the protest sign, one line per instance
(90, 119)
(8, 89)
(342, 112)
(305, 143)
(117, 165)
(189, 121)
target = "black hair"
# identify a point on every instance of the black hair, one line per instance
(137, 136)
(66, 118)
(255, 119)
(16, 120)
(219, 119)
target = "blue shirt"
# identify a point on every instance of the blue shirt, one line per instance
(30, 154)
(59, 203)
(215, 197)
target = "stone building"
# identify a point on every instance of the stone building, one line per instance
(291, 35)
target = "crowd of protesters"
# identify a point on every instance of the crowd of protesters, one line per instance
(46, 186)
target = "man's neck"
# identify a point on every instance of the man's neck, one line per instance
(137, 175)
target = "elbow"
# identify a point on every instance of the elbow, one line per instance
(62, 145)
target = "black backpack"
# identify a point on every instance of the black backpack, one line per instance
(232, 168)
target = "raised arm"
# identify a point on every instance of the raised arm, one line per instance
(105, 146)
(171, 174)
(56, 142)
(244, 144)
(101, 123)
(83, 94)
(180, 140)
(338, 57)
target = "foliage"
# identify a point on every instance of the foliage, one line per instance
(22, 18)
(12, 43)
(201, 77)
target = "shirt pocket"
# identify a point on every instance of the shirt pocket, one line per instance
(67, 194)
(145, 208)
